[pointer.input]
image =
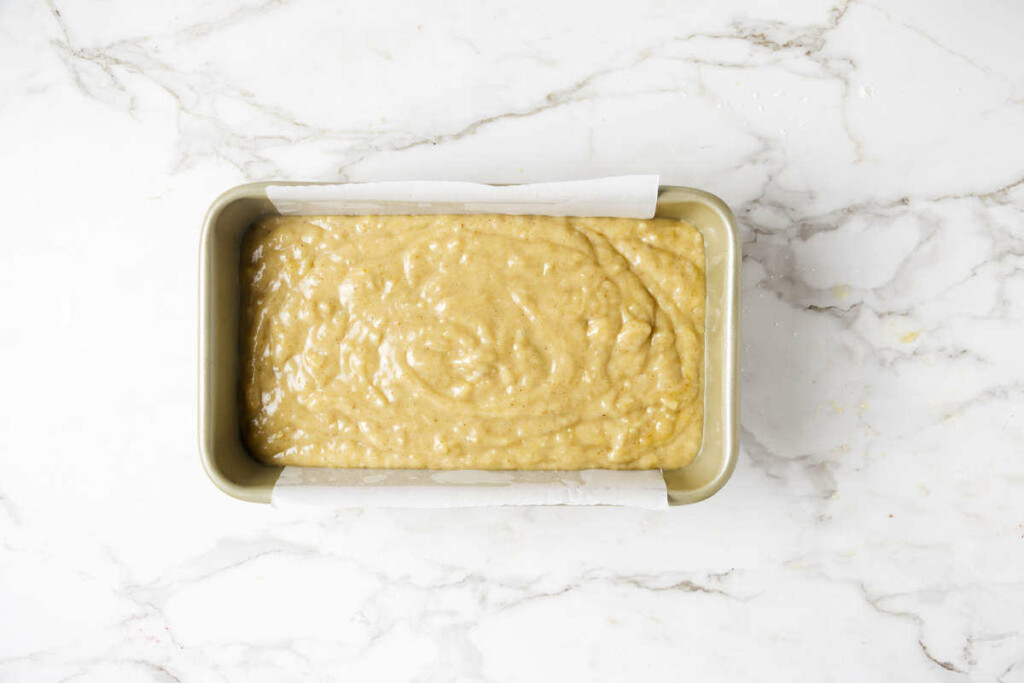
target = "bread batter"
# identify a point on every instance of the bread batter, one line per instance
(484, 342)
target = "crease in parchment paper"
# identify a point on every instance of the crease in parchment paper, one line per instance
(343, 487)
(634, 196)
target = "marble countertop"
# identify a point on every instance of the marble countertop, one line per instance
(874, 156)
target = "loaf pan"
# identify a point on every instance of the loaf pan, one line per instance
(235, 472)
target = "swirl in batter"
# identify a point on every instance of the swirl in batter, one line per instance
(485, 342)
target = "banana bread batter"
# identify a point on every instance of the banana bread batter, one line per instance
(483, 342)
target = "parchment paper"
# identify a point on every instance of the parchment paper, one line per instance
(625, 197)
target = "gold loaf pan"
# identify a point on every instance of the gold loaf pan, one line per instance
(235, 472)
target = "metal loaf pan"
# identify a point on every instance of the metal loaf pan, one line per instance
(236, 473)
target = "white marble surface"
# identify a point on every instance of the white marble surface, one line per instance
(874, 154)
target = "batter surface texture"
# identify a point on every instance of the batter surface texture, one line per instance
(483, 342)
